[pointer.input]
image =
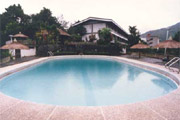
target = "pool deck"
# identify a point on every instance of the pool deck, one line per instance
(162, 108)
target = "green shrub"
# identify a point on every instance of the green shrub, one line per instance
(4, 53)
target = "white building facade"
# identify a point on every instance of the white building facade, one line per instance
(93, 25)
(152, 40)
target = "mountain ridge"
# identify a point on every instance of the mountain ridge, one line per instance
(162, 32)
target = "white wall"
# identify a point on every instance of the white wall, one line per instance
(153, 42)
(30, 52)
(86, 37)
(144, 39)
(117, 34)
(8, 42)
(96, 28)
(88, 28)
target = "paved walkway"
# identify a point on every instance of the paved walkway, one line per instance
(19, 60)
(150, 60)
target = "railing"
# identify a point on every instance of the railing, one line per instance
(50, 53)
(172, 62)
(169, 62)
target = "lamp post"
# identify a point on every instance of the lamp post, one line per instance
(167, 34)
(167, 38)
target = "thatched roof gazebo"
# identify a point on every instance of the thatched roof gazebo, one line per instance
(168, 44)
(140, 46)
(20, 35)
(16, 46)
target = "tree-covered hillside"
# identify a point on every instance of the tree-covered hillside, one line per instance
(161, 33)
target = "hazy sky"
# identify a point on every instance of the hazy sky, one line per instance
(145, 14)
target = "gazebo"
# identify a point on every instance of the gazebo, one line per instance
(168, 44)
(16, 46)
(20, 35)
(140, 46)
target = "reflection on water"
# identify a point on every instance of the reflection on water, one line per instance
(164, 85)
(89, 82)
(88, 87)
(133, 73)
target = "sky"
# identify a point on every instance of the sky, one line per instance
(145, 14)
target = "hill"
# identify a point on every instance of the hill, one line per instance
(161, 33)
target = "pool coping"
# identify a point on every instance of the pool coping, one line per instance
(164, 107)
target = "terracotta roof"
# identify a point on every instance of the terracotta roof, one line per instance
(140, 46)
(63, 32)
(81, 43)
(15, 45)
(168, 44)
(20, 35)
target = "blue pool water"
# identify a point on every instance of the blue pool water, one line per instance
(85, 82)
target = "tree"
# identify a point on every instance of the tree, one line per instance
(45, 17)
(78, 30)
(134, 36)
(48, 35)
(43, 20)
(177, 36)
(12, 14)
(105, 36)
(13, 20)
(63, 22)
(76, 38)
(12, 28)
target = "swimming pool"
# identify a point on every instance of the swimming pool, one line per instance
(85, 82)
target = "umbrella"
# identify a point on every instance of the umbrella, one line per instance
(15, 45)
(139, 46)
(20, 35)
(168, 44)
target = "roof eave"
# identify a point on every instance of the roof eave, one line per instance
(100, 19)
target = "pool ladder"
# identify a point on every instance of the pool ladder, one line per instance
(50, 53)
(172, 62)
